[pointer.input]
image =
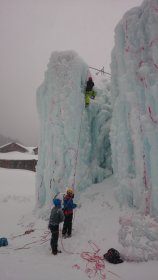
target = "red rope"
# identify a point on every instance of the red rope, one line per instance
(76, 159)
(95, 263)
(62, 245)
(26, 232)
(26, 246)
(151, 116)
(154, 7)
(45, 237)
(114, 274)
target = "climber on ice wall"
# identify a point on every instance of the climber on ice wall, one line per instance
(89, 92)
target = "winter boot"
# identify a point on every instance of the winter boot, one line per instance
(54, 252)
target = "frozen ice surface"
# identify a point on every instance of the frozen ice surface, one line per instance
(74, 147)
(134, 129)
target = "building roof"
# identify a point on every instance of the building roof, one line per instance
(26, 153)
(10, 143)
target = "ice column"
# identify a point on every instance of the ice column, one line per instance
(134, 132)
(74, 147)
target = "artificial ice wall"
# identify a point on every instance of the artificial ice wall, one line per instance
(74, 146)
(134, 130)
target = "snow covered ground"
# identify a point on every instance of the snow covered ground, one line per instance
(95, 225)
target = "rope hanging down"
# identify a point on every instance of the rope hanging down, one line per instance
(76, 157)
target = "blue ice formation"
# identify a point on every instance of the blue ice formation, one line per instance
(134, 127)
(74, 146)
(134, 132)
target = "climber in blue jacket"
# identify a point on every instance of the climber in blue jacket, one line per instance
(68, 212)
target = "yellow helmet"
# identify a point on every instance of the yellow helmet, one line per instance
(70, 191)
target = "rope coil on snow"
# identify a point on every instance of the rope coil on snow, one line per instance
(95, 263)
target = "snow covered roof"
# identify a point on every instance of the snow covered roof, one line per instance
(15, 144)
(18, 155)
(16, 147)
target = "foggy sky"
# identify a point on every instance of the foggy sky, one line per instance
(30, 30)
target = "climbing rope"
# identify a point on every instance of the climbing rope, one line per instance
(77, 151)
(26, 232)
(43, 239)
(95, 263)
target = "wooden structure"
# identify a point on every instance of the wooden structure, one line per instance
(13, 147)
(35, 150)
(18, 160)
(29, 164)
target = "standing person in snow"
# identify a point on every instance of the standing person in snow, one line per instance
(56, 217)
(89, 92)
(68, 212)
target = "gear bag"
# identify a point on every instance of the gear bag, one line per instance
(113, 256)
(3, 241)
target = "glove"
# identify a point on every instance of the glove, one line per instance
(79, 205)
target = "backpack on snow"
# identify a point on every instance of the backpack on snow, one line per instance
(113, 256)
(3, 241)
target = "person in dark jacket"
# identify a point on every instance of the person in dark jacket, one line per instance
(68, 212)
(89, 92)
(56, 217)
